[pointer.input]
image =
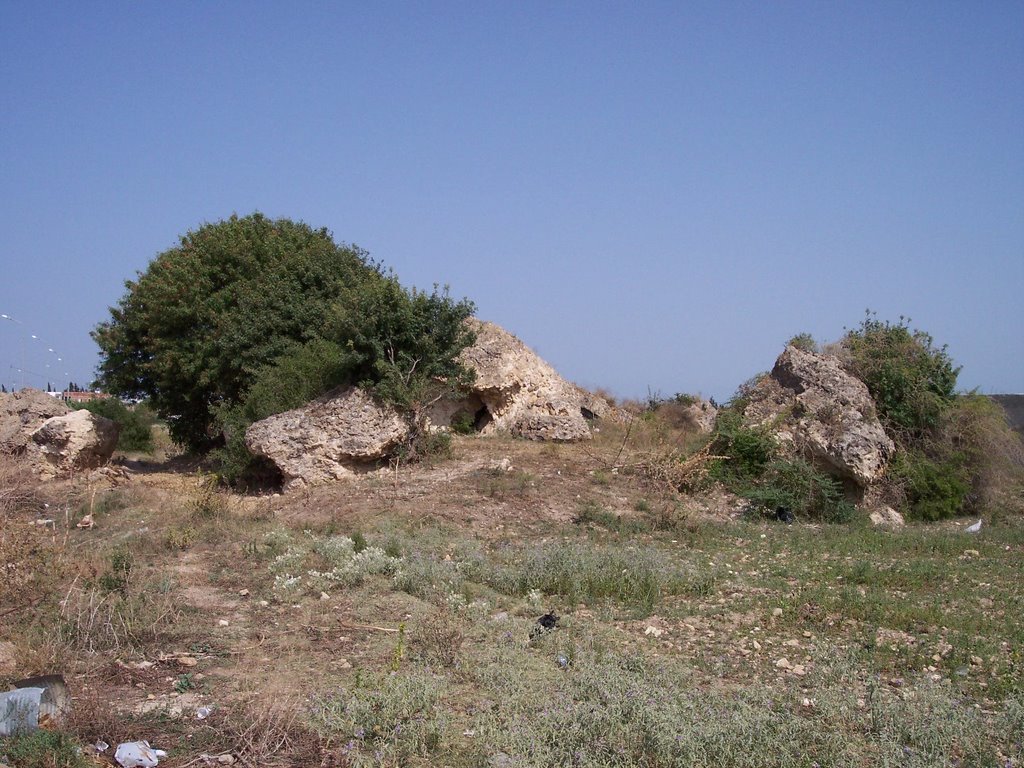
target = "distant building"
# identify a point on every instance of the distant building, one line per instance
(81, 397)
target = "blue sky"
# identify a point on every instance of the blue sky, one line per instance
(654, 196)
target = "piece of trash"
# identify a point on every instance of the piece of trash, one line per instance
(652, 630)
(55, 700)
(203, 712)
(19, 710)
(44, 521)
(563, 661)
(87, 522)
(223, 623)
(101, 746)
(545, 623)
(138, 754)
(784, 515)
(226, 759)
(973, 528)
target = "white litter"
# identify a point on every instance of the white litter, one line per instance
(138, 754)
(973, 528)
(203, 712)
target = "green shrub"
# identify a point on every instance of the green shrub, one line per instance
(934, 488)
(749, 450)
(387, 720)
(42, 749)
(804, 342)
(910, 379)
(801, 488)
(136, 423)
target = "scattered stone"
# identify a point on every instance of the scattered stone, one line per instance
(652, 630)
(185, 661)
(243, 593)
(972, 553)
(886, 517)
(86, 522)
(324, 596)
(799, 670)
(223, 623)
(783, 663)
(776, 612)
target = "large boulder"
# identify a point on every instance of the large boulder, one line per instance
(21, 413)
(812, 404)
(333, 437)
(518, 392)
(73, 441)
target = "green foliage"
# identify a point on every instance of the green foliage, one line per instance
(804, 342)
(388, 721)
(251, 316)
(192, 331)
(910, 379)
(934, 488)
(116, 579)
(42, 749)
(136, 423)
(749, 450)
(801, 488)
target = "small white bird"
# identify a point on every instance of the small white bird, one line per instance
(973, 528)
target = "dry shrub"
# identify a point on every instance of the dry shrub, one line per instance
(439, 638)
(265, 734)
(94, 621)
(977, 426)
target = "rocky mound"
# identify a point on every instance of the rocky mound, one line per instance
(812, 404)
(21, 413)
(55, 439)
(333, 437)
(518, 392)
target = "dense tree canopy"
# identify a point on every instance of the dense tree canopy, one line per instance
(255, 301)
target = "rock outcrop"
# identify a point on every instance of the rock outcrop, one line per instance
(53, 438)
(333, 437)
(811, 403)
(74, 441)
(516, 391)
(21, 413)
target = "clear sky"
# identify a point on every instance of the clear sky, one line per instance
(654, 196)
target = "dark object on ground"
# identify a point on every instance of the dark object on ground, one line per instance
(784, 515)
(545, 623)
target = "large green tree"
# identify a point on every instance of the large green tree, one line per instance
(253, 300)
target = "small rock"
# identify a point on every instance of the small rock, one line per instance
(807, 702)
(226, 759)
(500, 760)
(263, 603)
(783, 663)
(186, 661)
(799, 670)
(976, 661)
(344, 664)
(243, 593)
(652, 630)
(776, 612)
(324, 596)
(972, 553)
(757, 645)
(223, 623)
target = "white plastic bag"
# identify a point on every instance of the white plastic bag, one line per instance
(138, 754)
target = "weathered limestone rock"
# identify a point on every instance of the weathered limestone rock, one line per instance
(822, 411)
(702, 415)
(515, 390)
(21, 413)
(886, 517)
(71, 442)
(330, 438)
